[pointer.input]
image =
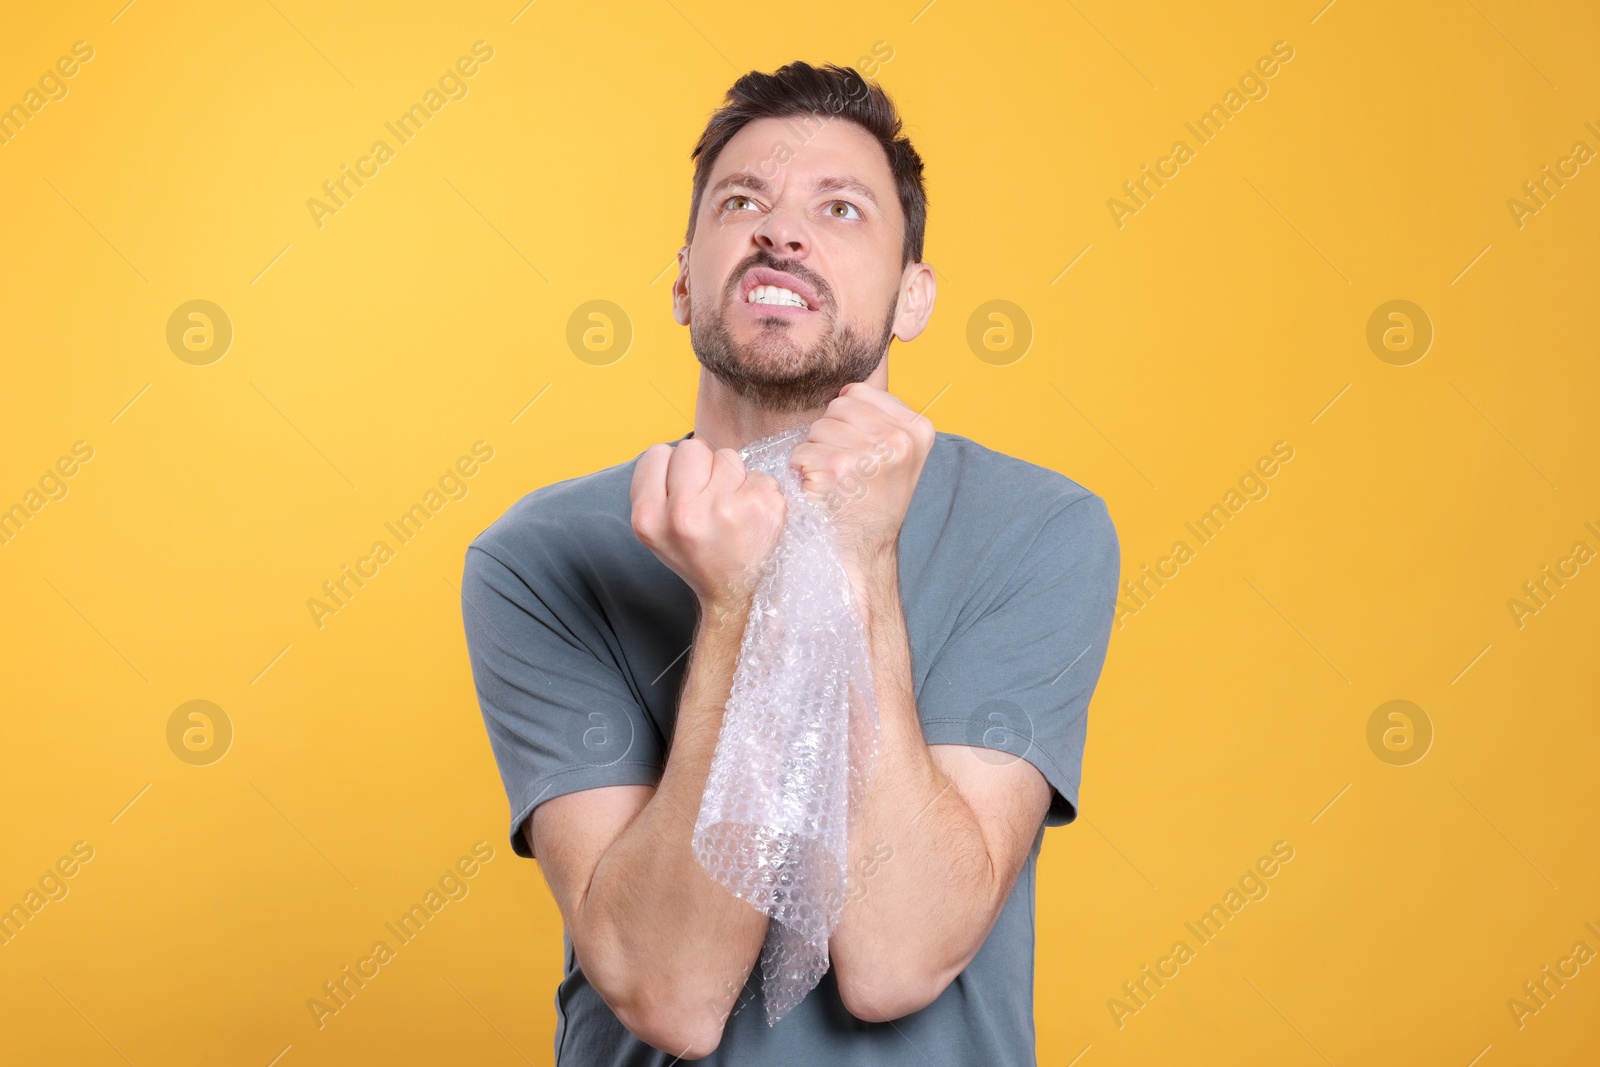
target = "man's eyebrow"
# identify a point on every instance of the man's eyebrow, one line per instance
(756, 184)
(743, 179)
(846, 184)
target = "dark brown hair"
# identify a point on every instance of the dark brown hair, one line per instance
(831, 91)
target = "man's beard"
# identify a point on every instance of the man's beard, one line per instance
(772, 371)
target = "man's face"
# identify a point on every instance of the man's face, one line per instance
(796, 212)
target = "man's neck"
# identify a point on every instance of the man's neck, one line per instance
(724, 419)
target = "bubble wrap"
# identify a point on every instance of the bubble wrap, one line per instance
(798, 742)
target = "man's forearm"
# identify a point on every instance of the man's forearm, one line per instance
(923, 892)
(659, 938)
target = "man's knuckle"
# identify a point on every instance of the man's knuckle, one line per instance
(684, 518)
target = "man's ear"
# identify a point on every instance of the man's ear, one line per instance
(917, 293)
(680, 288)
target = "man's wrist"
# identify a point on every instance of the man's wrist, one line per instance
(874, 577)
(726, 611)
(730, 602)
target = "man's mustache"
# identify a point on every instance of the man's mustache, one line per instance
(824, 293)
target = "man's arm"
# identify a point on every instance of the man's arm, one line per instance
(666, 947)
(943, 834)
(957, 828)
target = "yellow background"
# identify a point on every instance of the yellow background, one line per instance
(368, 354)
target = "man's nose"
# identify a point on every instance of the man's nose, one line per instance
(783, 233)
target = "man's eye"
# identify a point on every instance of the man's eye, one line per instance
(732, 200)
(832, 210)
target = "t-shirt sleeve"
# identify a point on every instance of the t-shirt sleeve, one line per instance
(560, 714)
(1018, 679)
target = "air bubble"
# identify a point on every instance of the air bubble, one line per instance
(784, 793)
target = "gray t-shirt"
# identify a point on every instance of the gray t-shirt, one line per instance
(577, 635)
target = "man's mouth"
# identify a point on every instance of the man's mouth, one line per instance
(773, 294)
(766, 290)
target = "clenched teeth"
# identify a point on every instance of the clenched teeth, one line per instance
(773, 294)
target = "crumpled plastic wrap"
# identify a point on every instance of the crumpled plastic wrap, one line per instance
(798, 742)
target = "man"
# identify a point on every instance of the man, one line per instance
(604, 616)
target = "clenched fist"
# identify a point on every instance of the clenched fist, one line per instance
(860, 463)
(710, 520)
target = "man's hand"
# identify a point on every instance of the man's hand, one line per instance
(860, 463)
(708, 518)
